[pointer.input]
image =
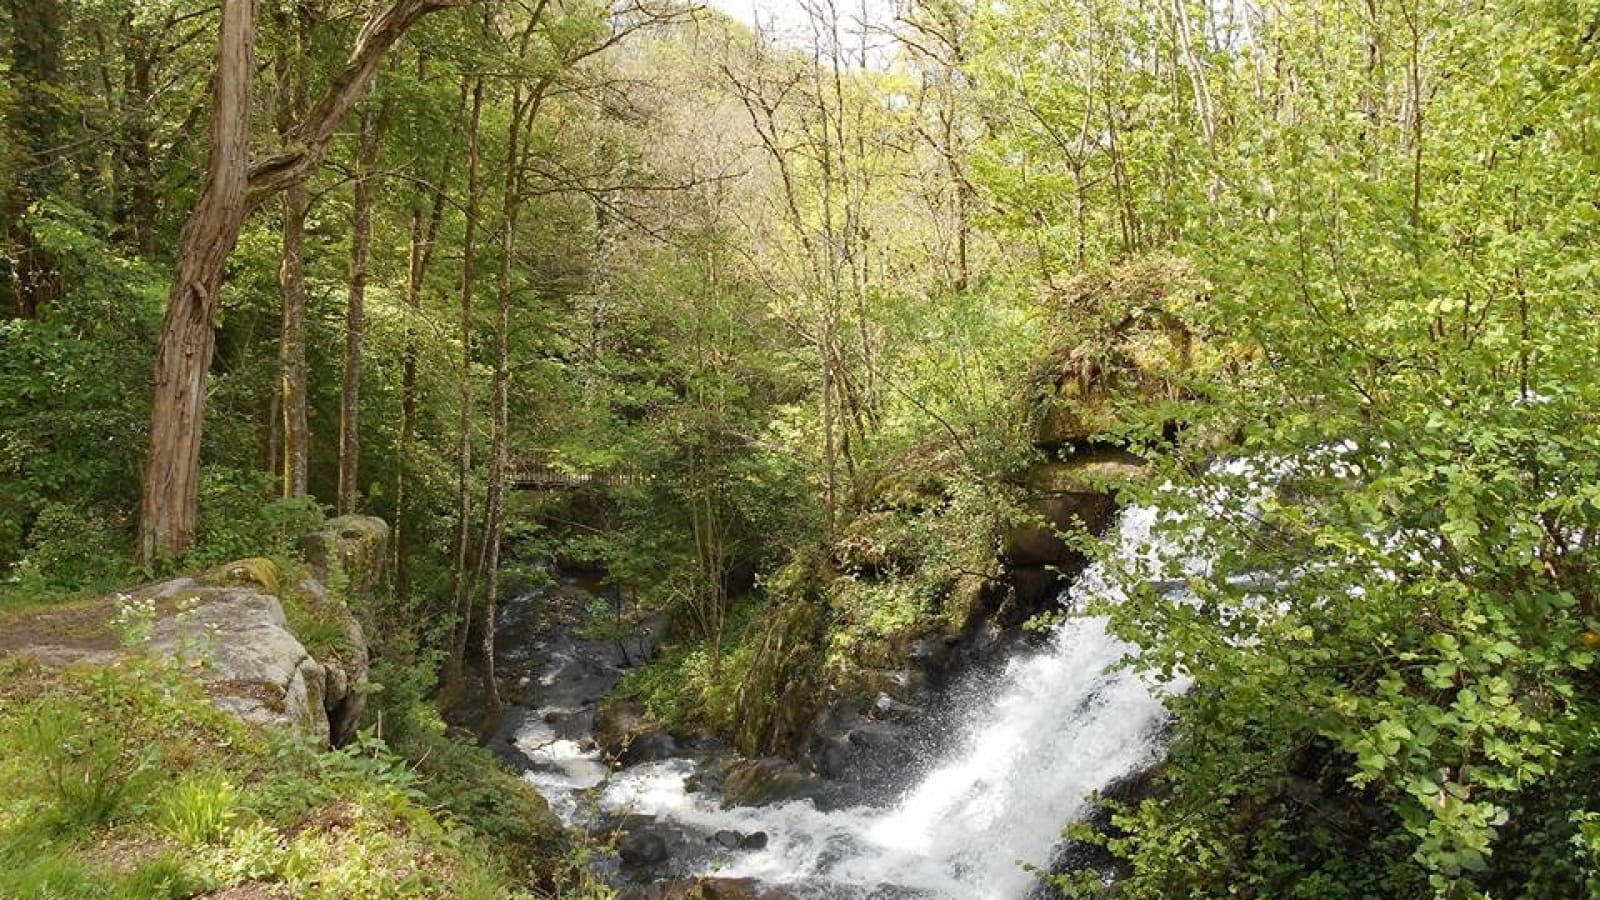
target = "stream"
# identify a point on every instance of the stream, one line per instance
(1025, 744)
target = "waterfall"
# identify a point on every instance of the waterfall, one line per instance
(1058, 724)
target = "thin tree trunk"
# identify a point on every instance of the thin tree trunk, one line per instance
(408, 400)
(294, 469)
(355, 317)
(424, 234)
(494, 511)
(167, 512)
(274, 438)
(463, 573)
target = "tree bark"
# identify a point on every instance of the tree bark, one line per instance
(462, 576)
(424, 233)
(167, 513)
(142, 202)
(494, 509)
(294, 469)
(355, 317)
(172, 468)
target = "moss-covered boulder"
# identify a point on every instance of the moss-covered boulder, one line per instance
(347, 554)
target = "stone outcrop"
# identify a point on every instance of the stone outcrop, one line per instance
(236, 638)
(1071, 493)
(233, 628)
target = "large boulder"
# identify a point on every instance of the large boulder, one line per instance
(268, 648)
(1074, 493)
(238, 640)
(628, 735)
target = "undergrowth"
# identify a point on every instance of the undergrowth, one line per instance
(122, 782)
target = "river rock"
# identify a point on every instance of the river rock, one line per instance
(875, 735)
(640, 849)
(627, 735)
(886, 708)
(707, 889)
(765, 782)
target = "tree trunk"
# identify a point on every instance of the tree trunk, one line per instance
(295, 467)
(355, 317)
(494, 513)
(233, 187)
(423, 235)
(463, 573)
(167, 513)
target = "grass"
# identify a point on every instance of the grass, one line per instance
(122, 782)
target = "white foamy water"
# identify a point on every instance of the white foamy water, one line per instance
(1057, 725)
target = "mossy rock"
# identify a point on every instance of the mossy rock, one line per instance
(766, 782)
(348, 552)
(258, 571)
(1086, 472)
(1065, 418)
(1042, 545)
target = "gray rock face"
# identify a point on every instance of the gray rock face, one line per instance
(228, 628)
(238, 641)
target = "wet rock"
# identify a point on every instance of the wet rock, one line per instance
(765, 782)
(708, 889)
(904, 684)
(640, 849)
(888, 709)
(754, 841)
(874, 736)
(727, 839)
(1041, 545)
(831, 757)
(650, 746)
(628, 736)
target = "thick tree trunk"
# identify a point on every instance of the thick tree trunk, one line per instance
(355, 318)
(167, 515)
(463, 581)
(233, 187)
